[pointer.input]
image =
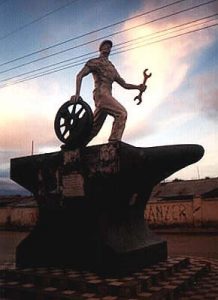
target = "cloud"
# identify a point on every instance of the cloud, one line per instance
(170, 62)
(207, 95)
(5, 157)
(27, 113)
(210, 105)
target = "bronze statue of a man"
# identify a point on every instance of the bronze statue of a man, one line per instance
(104, 74)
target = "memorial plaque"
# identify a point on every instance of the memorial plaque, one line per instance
(73, 185)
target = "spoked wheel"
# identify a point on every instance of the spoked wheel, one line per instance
(73, 123)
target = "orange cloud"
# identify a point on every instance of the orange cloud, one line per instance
(169, 62)
(27, 113)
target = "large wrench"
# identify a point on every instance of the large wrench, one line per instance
(146, 76)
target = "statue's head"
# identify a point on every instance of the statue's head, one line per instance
(105, 47)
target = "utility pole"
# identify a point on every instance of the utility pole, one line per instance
(32, 148)
(198, 172)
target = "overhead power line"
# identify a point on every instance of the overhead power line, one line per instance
(36, 20)
(153, 35)
(91, 32)
(106, 36)
(165, 39)
(115, 53)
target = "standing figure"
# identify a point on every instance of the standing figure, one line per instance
(104, 74)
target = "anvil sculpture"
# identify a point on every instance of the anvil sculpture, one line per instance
(91, 205)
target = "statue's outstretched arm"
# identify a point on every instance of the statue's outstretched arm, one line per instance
(128, 86)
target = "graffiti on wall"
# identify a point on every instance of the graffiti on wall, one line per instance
(24, 217)
(167, 213)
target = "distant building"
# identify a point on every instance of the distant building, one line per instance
(184, 203)
(176, 203)
(17, 201)
(185, 189)
(18, 212)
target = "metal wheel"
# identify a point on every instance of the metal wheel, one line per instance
(73, 123)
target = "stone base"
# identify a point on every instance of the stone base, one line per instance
(91, 205)
(175, 278)
(64, 241)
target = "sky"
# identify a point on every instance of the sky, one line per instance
(176, 40)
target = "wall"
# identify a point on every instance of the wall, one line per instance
(196, 212)
(161, 213)
(192, 213)
(210, 211)
(18, 217)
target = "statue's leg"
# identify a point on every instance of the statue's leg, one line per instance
(107, 105)
(120, 115)
(99, 118)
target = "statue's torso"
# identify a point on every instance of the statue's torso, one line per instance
(104, 74)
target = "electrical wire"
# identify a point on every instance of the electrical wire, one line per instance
(165, 39)
(106, 36)
(36, 20)
(143, 38)
(90, 32)
(115, 53)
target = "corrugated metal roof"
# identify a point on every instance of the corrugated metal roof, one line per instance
(17, 200)
(186, 189)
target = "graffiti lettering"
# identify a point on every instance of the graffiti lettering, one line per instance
(163, 213)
